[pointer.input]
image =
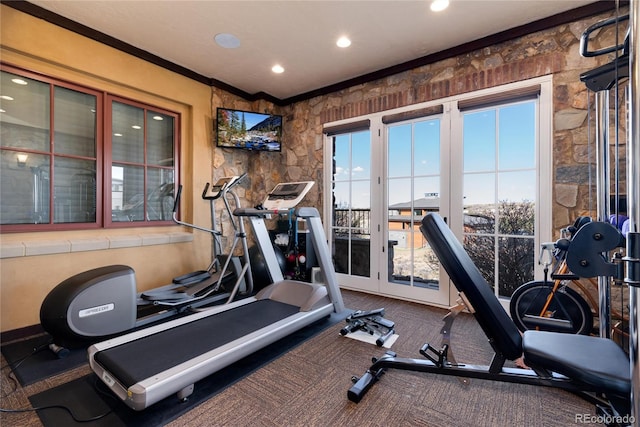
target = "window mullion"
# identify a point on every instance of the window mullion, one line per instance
(51, 154)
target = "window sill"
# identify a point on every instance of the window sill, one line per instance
(50, 247)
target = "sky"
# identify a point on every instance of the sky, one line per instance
(252, 119)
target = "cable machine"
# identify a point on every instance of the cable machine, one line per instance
(602, 80)
(632, 276)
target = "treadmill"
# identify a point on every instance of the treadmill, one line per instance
(148, 365)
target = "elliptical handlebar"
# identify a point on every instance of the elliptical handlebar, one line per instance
(176, 202)
(204, 193)
(177, 221)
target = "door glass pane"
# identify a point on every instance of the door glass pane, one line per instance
(75, 190)
(128, 133)
(479, 201)
(517, 142)
(516, 191)
(413, 187)
(520, 267)
(74, 123)
(25, 112)
(399, 151)
(352, 203)
(426, 157)
(479, 130)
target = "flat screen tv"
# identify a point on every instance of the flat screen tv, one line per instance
(248, 131)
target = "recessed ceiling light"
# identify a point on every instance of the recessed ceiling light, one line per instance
(19, 81)
(136, 127)
(2, 111)
(278, 69)
(227, 41)
(439, 5)
(343, 42)
(117, 134)
(6, 98)
(158, 118)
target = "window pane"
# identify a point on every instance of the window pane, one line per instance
(361, 195)
(517, 186)
(75, 190)
(131, 192)
(361, 156)
(517, 257)
(25, 188)
(427, 148)
(500, 191)
(117, 181)
(399, 151)
(399, 194)
(160, 200)
(24, 119)
(479, 141)
(400, 212)
(352, 203)
(159, 139)
(481, 250)
(74, 123)
(128, 133)
(517, 218)
(479, 202)
(425, 194)
(341, 202)
(342, 158)
(517, 141)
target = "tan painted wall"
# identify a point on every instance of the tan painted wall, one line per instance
(35, 45)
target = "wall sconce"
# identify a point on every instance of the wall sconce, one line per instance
(21, 159)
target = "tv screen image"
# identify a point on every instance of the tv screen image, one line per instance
(248, 131)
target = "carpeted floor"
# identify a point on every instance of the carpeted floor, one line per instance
(308, 385)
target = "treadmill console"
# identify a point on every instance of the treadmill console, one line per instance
(287, 195)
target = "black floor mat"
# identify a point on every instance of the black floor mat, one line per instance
(88, 398)
(31, 360)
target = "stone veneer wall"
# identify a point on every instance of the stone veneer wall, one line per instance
(553, 51)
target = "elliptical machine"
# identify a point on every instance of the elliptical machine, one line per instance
(102, 302)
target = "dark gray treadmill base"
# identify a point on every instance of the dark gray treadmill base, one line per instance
(137, 360)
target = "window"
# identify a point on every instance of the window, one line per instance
(481, 160)
(352, 202)
(142, 162)
(60, 170)
(500, 181)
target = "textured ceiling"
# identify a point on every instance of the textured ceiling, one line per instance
(299, 35)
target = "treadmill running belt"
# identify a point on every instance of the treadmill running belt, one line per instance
(137, 360)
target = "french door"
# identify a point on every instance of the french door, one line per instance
(481, 164)
(383, 180)
(414, 159)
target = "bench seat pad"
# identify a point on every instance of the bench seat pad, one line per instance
(597, 362)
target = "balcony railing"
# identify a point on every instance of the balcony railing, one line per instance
(358, 220)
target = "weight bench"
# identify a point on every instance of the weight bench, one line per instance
(597, 369)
